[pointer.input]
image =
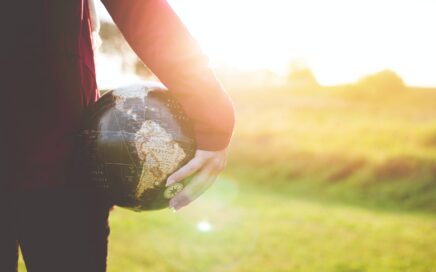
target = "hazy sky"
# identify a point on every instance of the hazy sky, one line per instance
(341, 40)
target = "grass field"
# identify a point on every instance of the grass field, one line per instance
(318, 180)
(280, 232)
(291, 234)
(294, 234)
(377, 149)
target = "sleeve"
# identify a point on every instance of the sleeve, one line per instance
(163, 43)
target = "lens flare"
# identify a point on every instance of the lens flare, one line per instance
(204, 226)
(214, 233)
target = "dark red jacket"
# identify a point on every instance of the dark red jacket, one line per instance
(48, 79)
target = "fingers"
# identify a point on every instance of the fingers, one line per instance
(206, 165)
(199, 184)
(190, 168)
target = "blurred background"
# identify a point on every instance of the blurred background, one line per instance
(333, 162)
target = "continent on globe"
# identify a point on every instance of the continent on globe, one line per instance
(160, 155)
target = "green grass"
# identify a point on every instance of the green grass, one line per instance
(290, 234)
(378, 149)
(328, 180)
(272, 231)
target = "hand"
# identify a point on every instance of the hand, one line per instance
(206, 165)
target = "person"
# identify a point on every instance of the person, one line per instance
(47, 81)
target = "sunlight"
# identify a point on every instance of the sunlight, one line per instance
(341, 40)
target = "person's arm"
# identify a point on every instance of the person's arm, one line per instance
(163, 43)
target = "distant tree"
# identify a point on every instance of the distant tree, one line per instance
(301, 76)
(381, 82)
(113, 43)
(142, 70)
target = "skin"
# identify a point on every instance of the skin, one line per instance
(205, 166)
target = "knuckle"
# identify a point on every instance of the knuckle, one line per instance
(176, 175)
(217, 164)
(206, 156)
(197, 164)
(217, 160)
(172, 177)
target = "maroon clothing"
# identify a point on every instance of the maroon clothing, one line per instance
(48, 79)
(57, 229)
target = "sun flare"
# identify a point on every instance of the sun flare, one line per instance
(339, 40)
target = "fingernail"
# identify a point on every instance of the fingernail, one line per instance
(173, 205)
(169, 182)
(176, 205)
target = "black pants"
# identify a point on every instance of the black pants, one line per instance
(57, 229)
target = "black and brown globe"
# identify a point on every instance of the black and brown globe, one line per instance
(133, 139)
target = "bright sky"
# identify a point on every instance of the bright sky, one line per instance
(340, 40)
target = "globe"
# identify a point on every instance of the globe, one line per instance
(133, 138)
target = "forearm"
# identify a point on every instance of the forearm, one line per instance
(163, 43)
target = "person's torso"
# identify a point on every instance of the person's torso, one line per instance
(46, 81)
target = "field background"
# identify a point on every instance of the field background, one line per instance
(318, 179)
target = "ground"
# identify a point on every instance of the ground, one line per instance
(326, 180)
(289, 233)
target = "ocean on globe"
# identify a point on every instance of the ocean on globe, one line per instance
(133, 138)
